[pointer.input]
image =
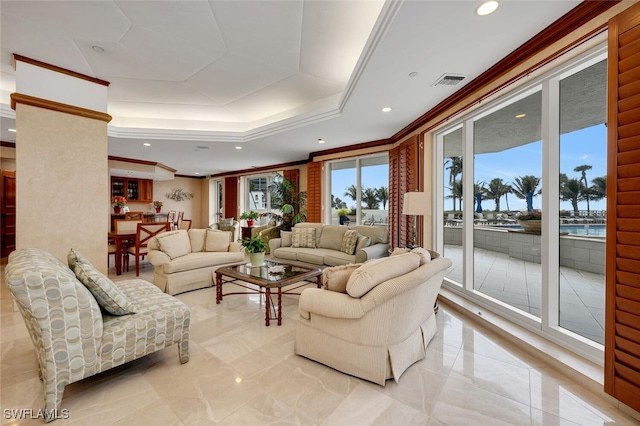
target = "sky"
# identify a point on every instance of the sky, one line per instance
(585, 146)
(371, 176)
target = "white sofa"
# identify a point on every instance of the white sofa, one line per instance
(327, 246)
(373, 320)
(186, 260)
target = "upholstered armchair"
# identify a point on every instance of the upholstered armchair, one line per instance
(228, 225)
(372, 320)
(266, 232)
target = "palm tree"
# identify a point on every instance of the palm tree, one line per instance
(523, 184)
(495, 190)
(337, 203)
(383, 196)
(599, 188)
(351, 192)
(456, 192)
(572, 190)
(370, 199)
(455, 169)
(583, 170)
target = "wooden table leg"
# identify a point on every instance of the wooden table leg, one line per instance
(218, 288)
(319, 281)
(267, 300)
(279, 305)
(119, 256)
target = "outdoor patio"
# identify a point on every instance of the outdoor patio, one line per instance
(518, 283)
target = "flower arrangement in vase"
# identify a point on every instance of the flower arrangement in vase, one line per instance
(118, 202)
(157, 205)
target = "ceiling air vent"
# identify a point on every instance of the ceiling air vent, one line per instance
(449, 80)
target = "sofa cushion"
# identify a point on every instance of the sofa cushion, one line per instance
(285, 238)
(287, 253)
(378, 234)
(174, 243)
(217, 240)
(349, 242)
(303, 237)
(197, 238)
(377, 271)
(332, 237)
(335, 258)
(313, 256)
(201, 260)
(363, 241)
(108, 296)
(336, 277)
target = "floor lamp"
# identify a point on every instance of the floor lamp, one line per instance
(415, 204)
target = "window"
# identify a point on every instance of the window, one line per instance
(538, 153)
(258, 194)
(359, 190)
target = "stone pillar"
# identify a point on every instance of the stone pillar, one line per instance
(62, 175)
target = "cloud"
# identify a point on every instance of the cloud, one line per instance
(584, 157)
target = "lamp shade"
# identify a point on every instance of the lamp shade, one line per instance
(416, 203)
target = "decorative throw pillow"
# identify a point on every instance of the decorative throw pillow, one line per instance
(363, 241)
(107, 294)
(399, 250)
(425, 256)
(217, 240)
(349, 242)
(197, 238)
(225, 222)
(377, 271)
(285, 238)
(303, 237)
(335, 278)
(174, 244)
(74, 257)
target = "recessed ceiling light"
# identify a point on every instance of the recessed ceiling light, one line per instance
(386, 109)
(12, 130)
(487, 8)
(413, 74)
(522, 115)
(197, 173)
(238, 147)
(97, 49)
(146, 144)
(320, 140)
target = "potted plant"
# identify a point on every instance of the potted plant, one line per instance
(157, 205)
(118, 203)
(250, 217)
(256, 249)
(531, 222)
(343, 215)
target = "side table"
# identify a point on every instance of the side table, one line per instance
(245, 232)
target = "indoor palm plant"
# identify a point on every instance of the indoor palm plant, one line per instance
(256, 249)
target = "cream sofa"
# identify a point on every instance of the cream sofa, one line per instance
(81, 323)
(325, 245)
(185, 260)
(372, 320)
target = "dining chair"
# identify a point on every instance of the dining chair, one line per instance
(134, 216)
(185, 224)
(123, 226)
(171, 218)
(179, 219)
(144, 232)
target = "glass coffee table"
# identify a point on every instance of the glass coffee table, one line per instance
(266, 279)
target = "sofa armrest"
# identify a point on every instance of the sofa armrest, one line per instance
(329, 304)
(275, 243)
(372, 252)
(158, 258)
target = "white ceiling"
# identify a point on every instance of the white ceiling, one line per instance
(196, 79)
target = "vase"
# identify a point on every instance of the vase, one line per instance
(249, 222)
(158, 209)
(116, 209)
(257, 259)
(531, 226)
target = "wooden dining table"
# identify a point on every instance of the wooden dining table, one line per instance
(121, 247)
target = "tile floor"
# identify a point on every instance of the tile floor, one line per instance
(243, 373)
(519, 283)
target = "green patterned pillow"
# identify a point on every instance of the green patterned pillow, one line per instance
(108, 296)
(349, 242)
(303, 237)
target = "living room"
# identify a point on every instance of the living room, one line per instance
(89, 206)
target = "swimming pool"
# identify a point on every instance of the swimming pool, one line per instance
(598, 230)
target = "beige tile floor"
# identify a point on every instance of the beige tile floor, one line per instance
(243, 373)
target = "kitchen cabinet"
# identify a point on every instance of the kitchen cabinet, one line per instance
(132, 189)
